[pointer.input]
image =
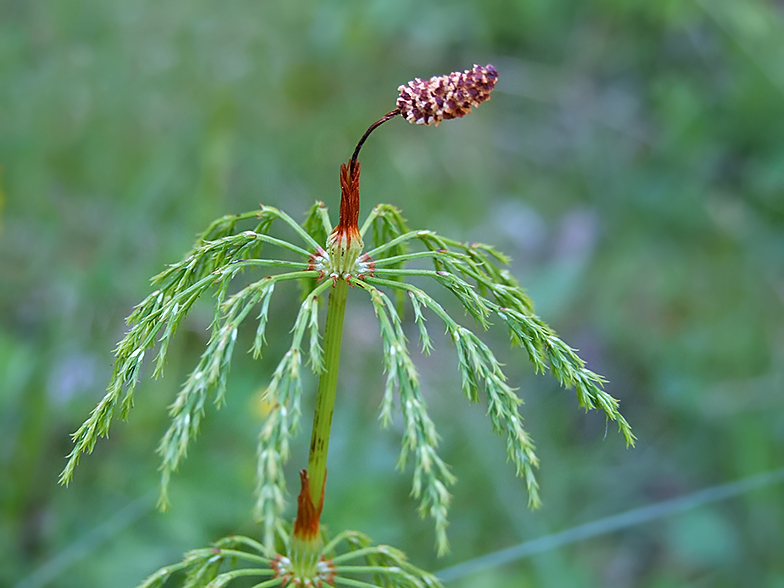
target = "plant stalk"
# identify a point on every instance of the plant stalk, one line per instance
(328, 383)
(373, 127)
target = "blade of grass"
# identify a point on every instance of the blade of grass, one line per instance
(625, 520)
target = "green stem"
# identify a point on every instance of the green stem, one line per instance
(328, 383)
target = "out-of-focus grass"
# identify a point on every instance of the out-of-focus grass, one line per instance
(630, 161)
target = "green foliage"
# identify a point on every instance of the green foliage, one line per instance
(220, 255)
(478, 366)
(431, 474)
(384, 565)
(214, 262)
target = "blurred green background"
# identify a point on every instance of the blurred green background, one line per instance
(631, 161)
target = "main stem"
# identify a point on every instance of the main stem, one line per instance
(328, 383)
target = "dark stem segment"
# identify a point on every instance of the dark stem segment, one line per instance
(373, 127)
(306, 526)
(348, 225)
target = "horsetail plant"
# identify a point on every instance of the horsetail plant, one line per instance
(332, 260)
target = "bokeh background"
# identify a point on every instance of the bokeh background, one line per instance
(631, 161)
